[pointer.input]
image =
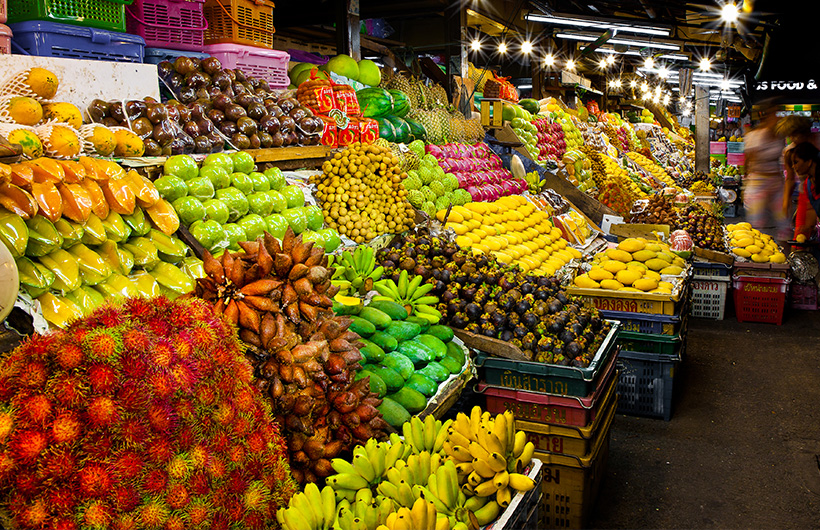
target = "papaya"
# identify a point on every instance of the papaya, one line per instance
(433, 343)
(456, 352)
(412, 400)
(392, 309)
(393, 413)
(424, 324)
(422, 384)
(371, 352)
(416, 352)
(435, 371)
(391, 378)
(403, 331)
(443, 333)
(384, 341)
(363, 327)
(379, 319)
(400, 363)
(377, 386)
(451, 364)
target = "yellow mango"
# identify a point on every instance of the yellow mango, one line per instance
(584, 281)
(628, 276)
(745, 242)
(753, 249)
(636, 265)
(742, 252)
(613, 266)
(657, 264)
(611, 284)
(778, 257)
(619, 255)
(672, 270)
(631, 245)
(630, 290)
(644, 255)
(680, 262)
(652, 274)
(760, 258)
(665, 285)
(666, 256)
(645, 284)
(598, 274)
(654, 247)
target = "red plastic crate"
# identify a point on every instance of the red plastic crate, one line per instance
(760, 298)
(174, 24)
(271, 65)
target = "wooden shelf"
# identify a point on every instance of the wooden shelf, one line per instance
(290, 156)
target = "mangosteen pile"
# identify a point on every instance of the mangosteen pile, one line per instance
(481, 295)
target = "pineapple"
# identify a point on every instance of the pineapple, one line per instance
(439, 95)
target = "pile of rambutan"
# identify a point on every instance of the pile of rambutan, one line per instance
(142, 415)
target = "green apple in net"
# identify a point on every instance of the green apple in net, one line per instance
(316, 238)
(253, 225)
(208, 233)
(234, 233)
(296, 219)
(216, 210)
(242, 182)
(201, 188)
(189, 209)
(260, 181)
(242, 162)
(171, 188)
(275, 177)
(314, 216)
(279, 201)
(332, 239)
(260, 203)
(217, 175)
(277, 225)
(182, 166)
(294, 195)
(219, 159)
(236, 202)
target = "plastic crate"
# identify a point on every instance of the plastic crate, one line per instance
(157, 55)
(271, 65)
(646, 385)
(760, 298)
(577, 441)
(49, 39)
(570, 486)
(248, 22)
(522, 512)
(548, 408)
(643, 323)
(628, 302)
(5, 39)
(717, 148)
(100, 14)
(709, 297)
(177, 24)
(649, 343)
(734, 147)
(803, 295)
(702, 270)
(736, 159)
(547, 378)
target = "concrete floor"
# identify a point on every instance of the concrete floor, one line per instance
(743, 447)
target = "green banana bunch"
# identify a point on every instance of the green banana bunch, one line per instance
(358, 268)
(534, 183)
(311, 510)
(428, 435)
(411, 294)
(368, 468)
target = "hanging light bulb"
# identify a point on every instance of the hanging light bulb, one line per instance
(729, 13)
(526, 47)
(645, 86)
(602, 64)
(633, 83)
(724, 85)
(666, 99)
(705, 64)
(649, 63)
(502, 48)
(570, 65)
(610, 60)
(618, 83)
(686, 111)
(475, 45)
(663, 73)
(549, 60)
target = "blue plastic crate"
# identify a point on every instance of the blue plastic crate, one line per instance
(708, 270)
(157, 55)
(50, 39)
(646, 385)
(645, 323)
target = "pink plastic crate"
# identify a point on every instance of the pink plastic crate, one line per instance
(3, 13)
(271, 65)
(5, 39)
(760, 298)
(803, 296)
(174, 24)
(736, 159)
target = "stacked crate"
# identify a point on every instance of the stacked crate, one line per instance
(710, 288)
(567, 413)
(760, 291)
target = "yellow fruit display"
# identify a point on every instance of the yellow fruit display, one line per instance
(631, 275)
(42, 82)
(632, 245)
(101, 138)
(64, 113)
(25, 110)
(62, 142)
(657, 171)
(129, 145)
(751, 244)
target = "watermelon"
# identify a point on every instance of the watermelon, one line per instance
(402, 130)
(386, 130)
(401, 103)
(417, 131)
(375, 102)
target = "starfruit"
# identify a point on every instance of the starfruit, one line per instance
(115, 228)
(65, 268)
(43, 237)
(117, 288)
(58, 310)
(110, 169)
(99, 206)
(48, 198)
(22, 175)
(76, 201)
(85, 300)
(13, 233)
(35, 278)
(119, 259)
(146, 283)
(47, 170)
(119, 196)
(94, 231)
(137, 221)
(193, 267)
(143, 250)
(164, 217)
(169, 248)
(74, 171)
(92, 170)
(93, 268)
(144, 190)
(5, 173)
(172, 278)
(71, 232)
(17, 200)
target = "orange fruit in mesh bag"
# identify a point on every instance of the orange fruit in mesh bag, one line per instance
(63, 141)
(42, 82)
(32, 146)
(25, 110)
(128, 144)
(63, 112)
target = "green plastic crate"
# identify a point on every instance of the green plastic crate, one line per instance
(100, 14)
(650, 343)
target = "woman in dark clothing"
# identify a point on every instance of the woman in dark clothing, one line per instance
(806, 161)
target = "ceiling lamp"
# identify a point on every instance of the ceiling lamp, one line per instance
(475, 45)
(729, 13)
(549, 60)
(570, 65)
(705, 64)
(649, 63)
(526, 47)
(502, 48)
(599, 24)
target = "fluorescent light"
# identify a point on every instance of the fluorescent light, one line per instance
(670, 56)
(526, 47)
(475, 45)
(628, 42)
(524, 87)
(686, 112)
(549, 60)
(729, 13)
(724, 85)
(582, 23)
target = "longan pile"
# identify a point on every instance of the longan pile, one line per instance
(362, 194)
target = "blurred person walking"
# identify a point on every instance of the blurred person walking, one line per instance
(797, 130)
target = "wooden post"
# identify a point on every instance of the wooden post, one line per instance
(537, 78)
(347, 28)
(702, 129)
(455, 51)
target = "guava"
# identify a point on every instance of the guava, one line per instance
(276, 178)
(242, 182)
(236, 202)
(260, 181)
(332, 239)
(294, 195)
(277, 225)
(209, 234)
(182, 166)
(219, 159)
(217, 175)
(260, 203)
(279, 201)
(234, 233)
(216, 210)
(253, 225)
(242, 162)
(189, 209)
(200, 188)
(296, 219)
(171, 188)
(314, 216)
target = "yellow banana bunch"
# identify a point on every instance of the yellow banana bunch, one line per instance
(311, 510)
(428, 435)
(369, 466)
(421, 516)
(490, 456)
(366, 513)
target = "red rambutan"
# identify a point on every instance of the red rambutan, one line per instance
(243, 372)
(183, 377)
(220, 442)
(68, 355)
(158, 449)
(101, 346)
(158, 327)
(124, 497)
(203, 339)
(185, 438)
(184, 346)
(63, 500)
(220, 521)
(32, 374)
(198, 455)
(256, 442)
(127, 465)
(95, 480)
(7, 466)
(254, 521)
(102, 378)
(34, 515)
(186, 410)
(134, 341)
(216, 467)
(199, 512)
(133, 368)
(98, 444)
(68, 389)
(26, 482)
(59, 464)
(225, 413)
(159, 416)
(102, 411)
(199, 484)
(96, 514)
(36, 407)
(6, 424)
(179, 467)
(66, 427)
(63, 523)
(205, 395)
(155, 481)
(162, 354)
(245, 399)
(162, 384)
(154, 513)
(131, 398)
(177, 496)
(256, 497)
(28, 445)
(133, 431)
(237, 482)
(107, 317)
(126, 521)
(142, 308)
(234, 509)
(175, 522)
